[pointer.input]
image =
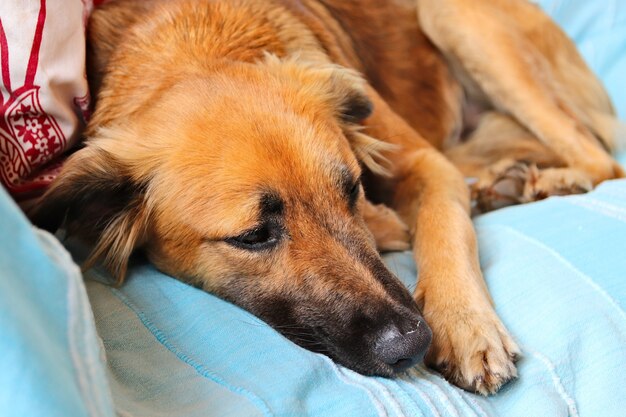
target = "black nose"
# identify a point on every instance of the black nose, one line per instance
(401, 350)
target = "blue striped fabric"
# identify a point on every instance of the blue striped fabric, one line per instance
(556, 269)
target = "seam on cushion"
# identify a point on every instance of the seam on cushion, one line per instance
(365, 382)
(612, 189)
(615, 193)
(425, 398)
(420, 393)
(470, 404)
(76, 309)
(380, 408)
(439, 390)
(565, 262)
(199, 368)
(598, 206)
(401, 386)
(556, 381)
(440, 394)
(395, 405)
(394, 402)
(72, 307)
(580, 40)
(475, 404)
(94, 399)
(411, 405)
(462, 396)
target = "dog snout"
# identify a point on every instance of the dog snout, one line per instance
(401, 349)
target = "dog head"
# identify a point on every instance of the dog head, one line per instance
(246, 182)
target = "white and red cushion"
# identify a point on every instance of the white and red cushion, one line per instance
(44, 98)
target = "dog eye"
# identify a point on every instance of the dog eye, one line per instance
(263, 237)
(354, 192)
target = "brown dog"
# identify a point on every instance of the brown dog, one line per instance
(229, 139)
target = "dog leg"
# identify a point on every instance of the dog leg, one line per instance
(470, 346)
(497, 59)
(512, 182)
(389, 231)
(510, 165)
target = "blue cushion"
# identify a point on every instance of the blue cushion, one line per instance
(555, 268)
(50, 357)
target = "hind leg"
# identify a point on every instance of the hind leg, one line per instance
(509, 165)
(513, 56)
(513, 182)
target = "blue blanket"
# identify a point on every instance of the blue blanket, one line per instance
(157, 347)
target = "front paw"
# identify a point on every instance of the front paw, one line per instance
(472, 349)
(389, 231)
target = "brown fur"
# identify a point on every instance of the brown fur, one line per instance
(217, 120)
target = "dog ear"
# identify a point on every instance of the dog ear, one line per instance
(95, 199)
(355, 107)
(348, 89)
(344, 90)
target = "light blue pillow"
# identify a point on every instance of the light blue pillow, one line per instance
(50, 357)
(557, 273)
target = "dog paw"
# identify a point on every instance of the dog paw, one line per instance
(389, 231)
(472, 350)
(555, 181)
(501, 186)
(511, 182)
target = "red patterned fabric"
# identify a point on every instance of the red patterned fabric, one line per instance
(44, 99)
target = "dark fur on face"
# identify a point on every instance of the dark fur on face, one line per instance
(330, 306)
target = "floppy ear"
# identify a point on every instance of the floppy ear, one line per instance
(353, 108)
(347, 88)
(95, 199)
(344, 89)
